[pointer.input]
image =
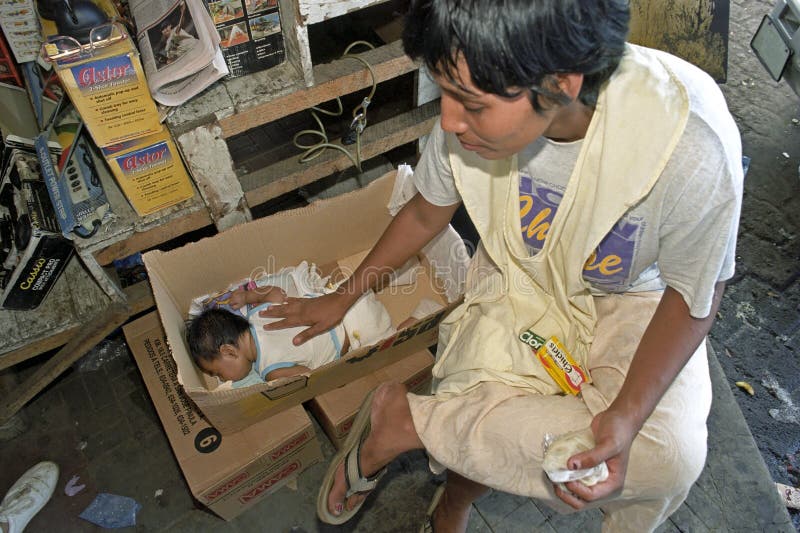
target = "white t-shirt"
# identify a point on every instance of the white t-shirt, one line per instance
(275, 348)
(682, 234)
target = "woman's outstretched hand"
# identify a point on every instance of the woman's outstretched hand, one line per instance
(320, 314)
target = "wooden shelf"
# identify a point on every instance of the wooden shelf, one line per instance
(338, 78)
(314, 11)
(240, 104)
(136, 237)
(279, 178)
(74, 298)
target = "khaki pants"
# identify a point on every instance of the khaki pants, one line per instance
(493, 433)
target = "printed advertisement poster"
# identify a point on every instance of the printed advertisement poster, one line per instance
(250, 34)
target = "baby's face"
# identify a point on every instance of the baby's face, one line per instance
(227, 368)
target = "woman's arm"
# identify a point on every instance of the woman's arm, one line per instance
(671, 337)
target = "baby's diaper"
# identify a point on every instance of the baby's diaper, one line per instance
(367, 322)
(307, 280)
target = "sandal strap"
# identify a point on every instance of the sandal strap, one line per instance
(356, 482)
(427, 525)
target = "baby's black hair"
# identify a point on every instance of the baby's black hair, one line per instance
(212, 328)
(520, 43)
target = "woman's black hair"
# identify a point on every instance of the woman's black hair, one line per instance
(510, 44)
(206, 333)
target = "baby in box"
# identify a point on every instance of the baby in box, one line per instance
(226, 336)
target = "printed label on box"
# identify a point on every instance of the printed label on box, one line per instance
(104, 74)
(112, 96)
(150, 173)
(38, 274)
(28, 221)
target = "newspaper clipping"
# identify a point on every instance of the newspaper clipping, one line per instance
(250, 34)
(179, 46)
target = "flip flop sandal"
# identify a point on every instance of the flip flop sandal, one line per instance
(427, 525)
(349, 454)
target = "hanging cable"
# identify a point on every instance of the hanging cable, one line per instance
(357, 125)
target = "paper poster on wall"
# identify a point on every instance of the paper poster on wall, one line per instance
(250, 34)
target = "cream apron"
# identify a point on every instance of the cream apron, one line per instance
(507, 290)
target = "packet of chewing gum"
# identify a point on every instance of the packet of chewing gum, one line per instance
(558, 362)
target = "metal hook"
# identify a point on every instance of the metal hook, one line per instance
(359, 123)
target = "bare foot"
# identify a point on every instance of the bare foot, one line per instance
(336, 496)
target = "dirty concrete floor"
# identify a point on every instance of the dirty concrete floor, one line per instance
(757, 333)
(97, 422)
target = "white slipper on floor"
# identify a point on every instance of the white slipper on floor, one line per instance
(349, 454)
(28, 495)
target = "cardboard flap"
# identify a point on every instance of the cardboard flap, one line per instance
(286, 387)
(173, 323)
(273, 390)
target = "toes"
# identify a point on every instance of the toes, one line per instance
(354, 500)
(336, 495)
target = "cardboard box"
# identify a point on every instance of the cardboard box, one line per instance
(336, 231)
(227, 473)
(150, 172)
(105, 83)
(34, 252)
(335, 410)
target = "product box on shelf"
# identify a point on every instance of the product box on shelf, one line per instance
(73, 179)
(335, 410)
(99, 67)
(33, 252)
(226, 473)
(150, 172)
(333, 234)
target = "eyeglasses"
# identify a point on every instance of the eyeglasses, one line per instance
(64, 47)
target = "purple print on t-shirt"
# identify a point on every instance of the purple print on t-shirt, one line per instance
(610, 265)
